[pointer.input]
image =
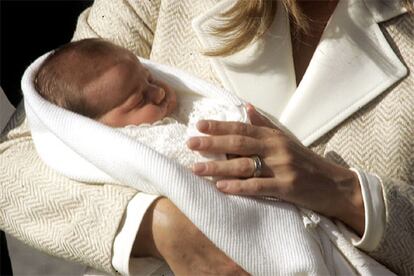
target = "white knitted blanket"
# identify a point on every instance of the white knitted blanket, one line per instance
(263, 236)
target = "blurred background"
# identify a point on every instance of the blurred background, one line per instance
(27, 30)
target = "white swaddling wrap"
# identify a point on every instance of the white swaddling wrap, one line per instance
(169, 135)
(264, 237)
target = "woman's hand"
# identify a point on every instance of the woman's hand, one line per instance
(290, 171)
(166, 233)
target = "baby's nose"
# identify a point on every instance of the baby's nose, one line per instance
(157, 94)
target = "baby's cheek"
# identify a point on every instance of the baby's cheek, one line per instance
(155, 113)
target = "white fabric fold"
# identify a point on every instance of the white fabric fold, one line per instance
(264, 237)
(125, 238)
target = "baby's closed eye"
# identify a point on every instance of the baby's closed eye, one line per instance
(135, 100)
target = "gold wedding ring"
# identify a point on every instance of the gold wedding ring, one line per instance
(258, 165)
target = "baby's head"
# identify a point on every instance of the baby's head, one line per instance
(105, 82)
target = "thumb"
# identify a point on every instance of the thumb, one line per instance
(256, 118)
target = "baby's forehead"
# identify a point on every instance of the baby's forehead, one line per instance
(106, 66)
(115, 76)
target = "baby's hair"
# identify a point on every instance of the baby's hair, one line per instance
(65, 73)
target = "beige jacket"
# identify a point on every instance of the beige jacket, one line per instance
(62, 217)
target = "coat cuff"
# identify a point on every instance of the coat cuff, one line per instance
(374, 206)
(125, 238)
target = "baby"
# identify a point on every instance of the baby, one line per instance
(105, 82)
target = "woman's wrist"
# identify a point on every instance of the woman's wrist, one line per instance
(350, 207)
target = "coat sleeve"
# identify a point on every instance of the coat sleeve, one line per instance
(396, 247)
(47, 211)
(52, 213)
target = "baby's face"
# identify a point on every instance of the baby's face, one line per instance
(133, 96)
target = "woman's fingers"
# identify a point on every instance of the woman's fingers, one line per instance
(228, 144)
(251, 187)
(242, 167)
(213, 127)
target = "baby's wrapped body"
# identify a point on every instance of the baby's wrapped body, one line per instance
(274, 238)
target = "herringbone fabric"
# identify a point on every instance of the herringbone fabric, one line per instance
(122, 22)
(52, 213)
(175, 42)
(60, 217)
(380, 139)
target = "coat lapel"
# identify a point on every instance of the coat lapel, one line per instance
(262, 69)
(352, 65)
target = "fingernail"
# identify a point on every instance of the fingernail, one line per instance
(193, 143)
(202, 126)
(198, 167)
(221, 185)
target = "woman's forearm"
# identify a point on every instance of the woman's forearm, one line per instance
(167, 234)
